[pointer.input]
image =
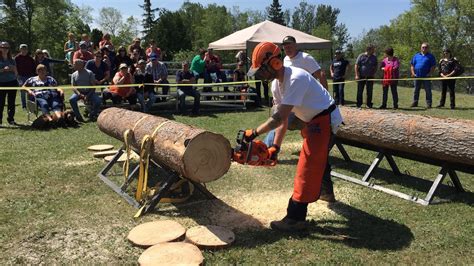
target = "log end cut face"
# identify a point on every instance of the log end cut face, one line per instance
(207, 157)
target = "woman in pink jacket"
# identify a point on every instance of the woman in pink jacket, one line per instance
(390, 67)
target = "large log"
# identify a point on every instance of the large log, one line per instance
(194, 153)
(447, 140)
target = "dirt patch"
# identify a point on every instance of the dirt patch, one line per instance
(252, 210)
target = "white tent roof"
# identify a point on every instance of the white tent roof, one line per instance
(271, 32)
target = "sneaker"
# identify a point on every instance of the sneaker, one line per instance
(12, 122)
(383, 107)
(453, 107)
(414, 105)
(439, 106)
(289, 225)
(327, 197)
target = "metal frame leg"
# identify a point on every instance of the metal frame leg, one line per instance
(439, 179)
(393, 164)
(457, 183)
(343, 151)
(102, 175)
(373, 166)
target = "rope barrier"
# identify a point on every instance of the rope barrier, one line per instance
(216, 84)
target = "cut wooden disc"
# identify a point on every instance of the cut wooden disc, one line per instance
(210, 236)
(178, 253)
(122, 158)
(102, 154)
(152, 233)
(100, 147)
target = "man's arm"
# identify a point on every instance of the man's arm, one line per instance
(278, 118)
(319, 75)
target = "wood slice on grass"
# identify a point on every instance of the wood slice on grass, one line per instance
(210, 236)
(194, 153)
(178, 253)
(122, 158)
(446, 139)
(102, 154)
(100, 147)
(152, 233)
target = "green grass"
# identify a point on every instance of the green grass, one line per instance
(54, 208)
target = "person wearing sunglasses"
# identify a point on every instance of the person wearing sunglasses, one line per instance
(421, 66)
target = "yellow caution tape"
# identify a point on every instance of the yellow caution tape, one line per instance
(214, 84)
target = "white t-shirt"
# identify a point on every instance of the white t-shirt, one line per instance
(307, 96)
(304, 61)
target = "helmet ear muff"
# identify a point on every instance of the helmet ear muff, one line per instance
(275, 63)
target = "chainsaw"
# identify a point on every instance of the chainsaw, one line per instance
(252, 153)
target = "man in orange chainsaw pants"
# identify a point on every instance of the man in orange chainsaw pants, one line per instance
(295, 90)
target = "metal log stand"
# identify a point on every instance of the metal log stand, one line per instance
(446, 169)
(166, 182)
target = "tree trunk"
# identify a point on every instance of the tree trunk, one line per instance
(194, 153)
(445, 139)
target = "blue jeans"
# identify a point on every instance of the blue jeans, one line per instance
(92, 98)
(270, 137)
(360, 91)
(338, 90)
(21, 81)
(53, 104)
(151, 100)
(427, 87)
(182, 92)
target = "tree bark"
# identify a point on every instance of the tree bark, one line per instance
(445, 139)
(194, 153)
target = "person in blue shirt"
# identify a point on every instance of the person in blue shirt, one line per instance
(422, 65)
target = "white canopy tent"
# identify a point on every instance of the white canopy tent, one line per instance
(268, 31)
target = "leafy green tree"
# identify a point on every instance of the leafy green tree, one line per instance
(127, 32)
(168, 33)
(308, 18)
(149, 19)
(96, 36)
(110, 20)
(275, 13)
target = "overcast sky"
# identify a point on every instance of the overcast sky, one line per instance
(356, 14)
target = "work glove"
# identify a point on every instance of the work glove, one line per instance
(250, 134)
(273, 152)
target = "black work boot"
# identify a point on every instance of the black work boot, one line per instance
(295, 219)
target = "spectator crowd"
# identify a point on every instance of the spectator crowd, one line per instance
(104, 65)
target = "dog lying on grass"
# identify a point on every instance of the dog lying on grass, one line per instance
(67, 119)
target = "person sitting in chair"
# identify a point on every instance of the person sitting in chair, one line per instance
(46, 99)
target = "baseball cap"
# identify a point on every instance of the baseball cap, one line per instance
(289, 39)
(153, 56)
(23, 45)
(123, 65)
(338, 51)
(141, 61)
(82, 43)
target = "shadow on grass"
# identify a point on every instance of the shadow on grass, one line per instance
(387, 177)
(361, 230)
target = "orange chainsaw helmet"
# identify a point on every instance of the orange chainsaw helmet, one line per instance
(265, 54)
